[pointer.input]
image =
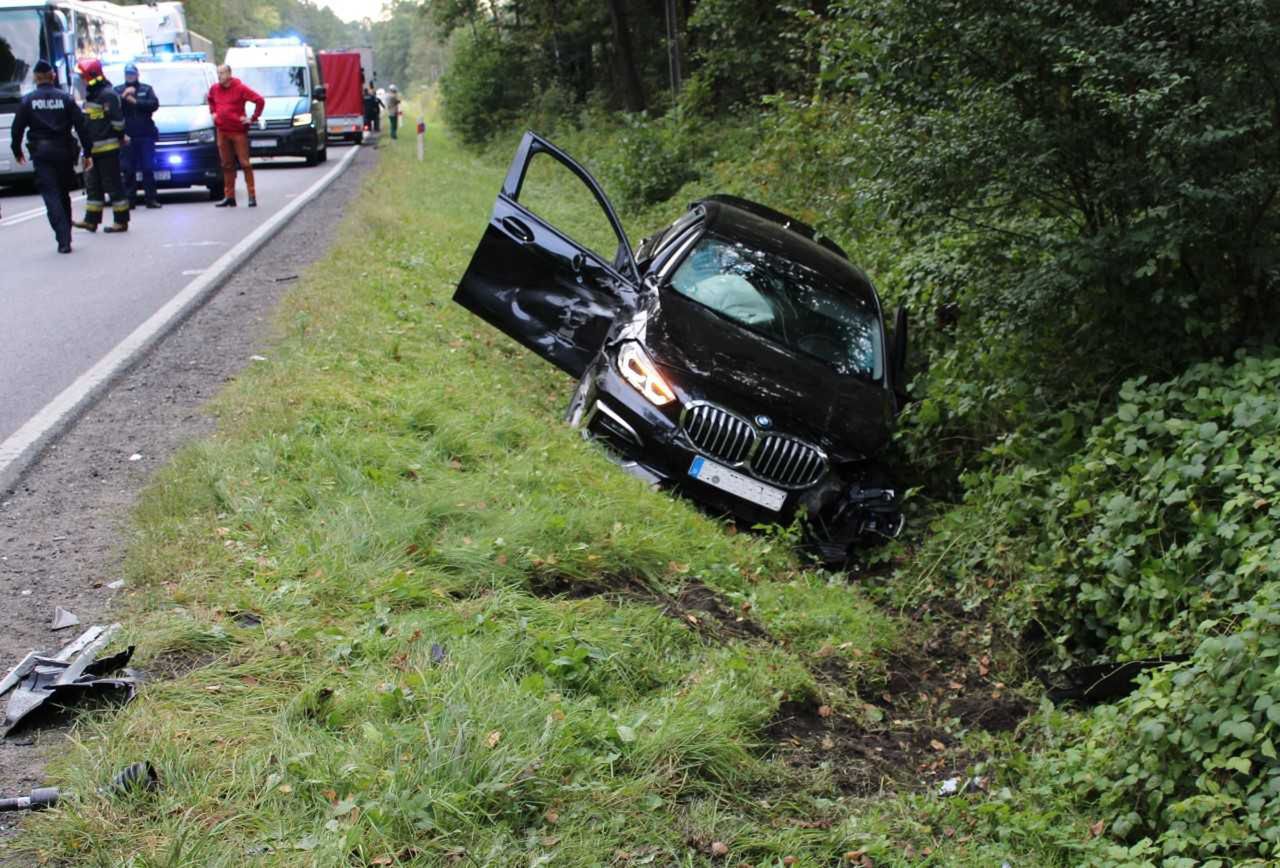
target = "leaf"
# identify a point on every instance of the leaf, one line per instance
(493, 738)
(824, 711)
(626, 734)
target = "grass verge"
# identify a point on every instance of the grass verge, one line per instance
(474, 640)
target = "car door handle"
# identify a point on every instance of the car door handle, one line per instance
(518, 229)
(578, 262)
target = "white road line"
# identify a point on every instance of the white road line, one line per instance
(23, 446)
(195, 244)
(33, 213)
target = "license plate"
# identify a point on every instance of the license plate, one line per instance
(160, 175)
(733, 482)
(262, 143)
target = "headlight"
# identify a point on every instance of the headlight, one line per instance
(302, 120)
(643, 375)
(201, 137)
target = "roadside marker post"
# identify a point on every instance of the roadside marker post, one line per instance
(422, 138)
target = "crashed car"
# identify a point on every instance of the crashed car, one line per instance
(734, 356)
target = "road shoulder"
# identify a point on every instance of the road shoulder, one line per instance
(61, 528)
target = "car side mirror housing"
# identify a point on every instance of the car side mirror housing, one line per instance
(320, 94)
(898, 357)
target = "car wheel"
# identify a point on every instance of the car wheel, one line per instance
(359, 138)
(324, 154)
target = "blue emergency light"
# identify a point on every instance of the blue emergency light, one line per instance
(175, 159)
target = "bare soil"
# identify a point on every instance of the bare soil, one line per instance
(63, 528)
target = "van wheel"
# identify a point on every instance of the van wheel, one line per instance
(324, 154)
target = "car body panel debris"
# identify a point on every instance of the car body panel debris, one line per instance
(735, 356)
(62, 619)
(67, 677)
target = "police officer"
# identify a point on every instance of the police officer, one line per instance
(47, 116)
(139, 102)
(106, 128)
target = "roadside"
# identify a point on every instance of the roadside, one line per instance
(64, 528)
(400, 615)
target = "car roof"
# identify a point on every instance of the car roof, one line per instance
(742, 220)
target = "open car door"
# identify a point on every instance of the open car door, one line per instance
(533, 281)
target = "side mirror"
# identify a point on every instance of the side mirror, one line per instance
(898, 356)
(320, 94)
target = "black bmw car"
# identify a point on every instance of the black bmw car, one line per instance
(735, 355)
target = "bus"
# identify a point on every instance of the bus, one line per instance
(59, 31)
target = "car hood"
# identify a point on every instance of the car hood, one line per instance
(182, 118)
(712, 359)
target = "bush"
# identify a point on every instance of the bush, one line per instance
(1187, 766)
(481, 96)
(651, 159)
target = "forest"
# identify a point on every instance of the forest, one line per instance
(1077, 204)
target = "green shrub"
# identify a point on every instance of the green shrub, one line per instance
(1186, 769)
(651, 159)
(481, 95)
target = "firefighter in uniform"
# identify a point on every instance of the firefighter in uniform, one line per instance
(47, 115)
(106, 128)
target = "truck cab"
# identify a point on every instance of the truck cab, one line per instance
(286, 74)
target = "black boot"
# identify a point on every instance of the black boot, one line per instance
(226, 203)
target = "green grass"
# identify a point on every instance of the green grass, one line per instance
(396, 477)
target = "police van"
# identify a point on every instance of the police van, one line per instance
(285, 73)
(187, 148)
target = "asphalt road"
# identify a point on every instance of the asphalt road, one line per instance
(60, 314)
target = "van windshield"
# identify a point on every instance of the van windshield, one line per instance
(174, 85)
(275, 80)
(786, 302)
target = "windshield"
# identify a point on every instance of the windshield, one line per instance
(20, 37)
(275, 80)
(786, 302)
(174, 85)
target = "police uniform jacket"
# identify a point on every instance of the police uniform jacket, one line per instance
(47, 115)
(106, 118)
(137, 115)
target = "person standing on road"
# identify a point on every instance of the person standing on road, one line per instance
(226, 104)
(106, 130)
(393, 109)
(47, 115)
(139, 102)
(372, 109)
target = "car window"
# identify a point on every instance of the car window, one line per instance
(174, 85)
(786, 302)
(563, 201)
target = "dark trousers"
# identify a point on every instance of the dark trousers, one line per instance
(55, 180)
(101, 181)
(377, 122)
(395, 124)
(139, 156)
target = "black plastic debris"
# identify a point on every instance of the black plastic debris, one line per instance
(69, 677)
(248, 620)
(40, 798)
(437, 654)
(139, 777)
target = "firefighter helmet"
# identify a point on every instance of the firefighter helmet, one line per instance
(90, 69)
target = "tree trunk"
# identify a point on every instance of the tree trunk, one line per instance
(632, 90)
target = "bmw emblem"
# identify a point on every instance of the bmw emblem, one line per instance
(764, 421)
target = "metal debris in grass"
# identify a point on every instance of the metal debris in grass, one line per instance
(68, 677)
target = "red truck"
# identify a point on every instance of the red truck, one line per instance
(344, 103)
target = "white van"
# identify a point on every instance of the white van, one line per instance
(285, 73)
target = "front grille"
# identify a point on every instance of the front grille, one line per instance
(280, 124)
(787, 461)
(719, 433)
(777, 458)
(173, 138)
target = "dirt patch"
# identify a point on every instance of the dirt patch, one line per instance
(696, 605)
(916, 709)
(172, 665)
(61, 528)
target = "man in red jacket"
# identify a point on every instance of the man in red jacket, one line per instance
(226, 104)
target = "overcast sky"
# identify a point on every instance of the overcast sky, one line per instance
(354, 10)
